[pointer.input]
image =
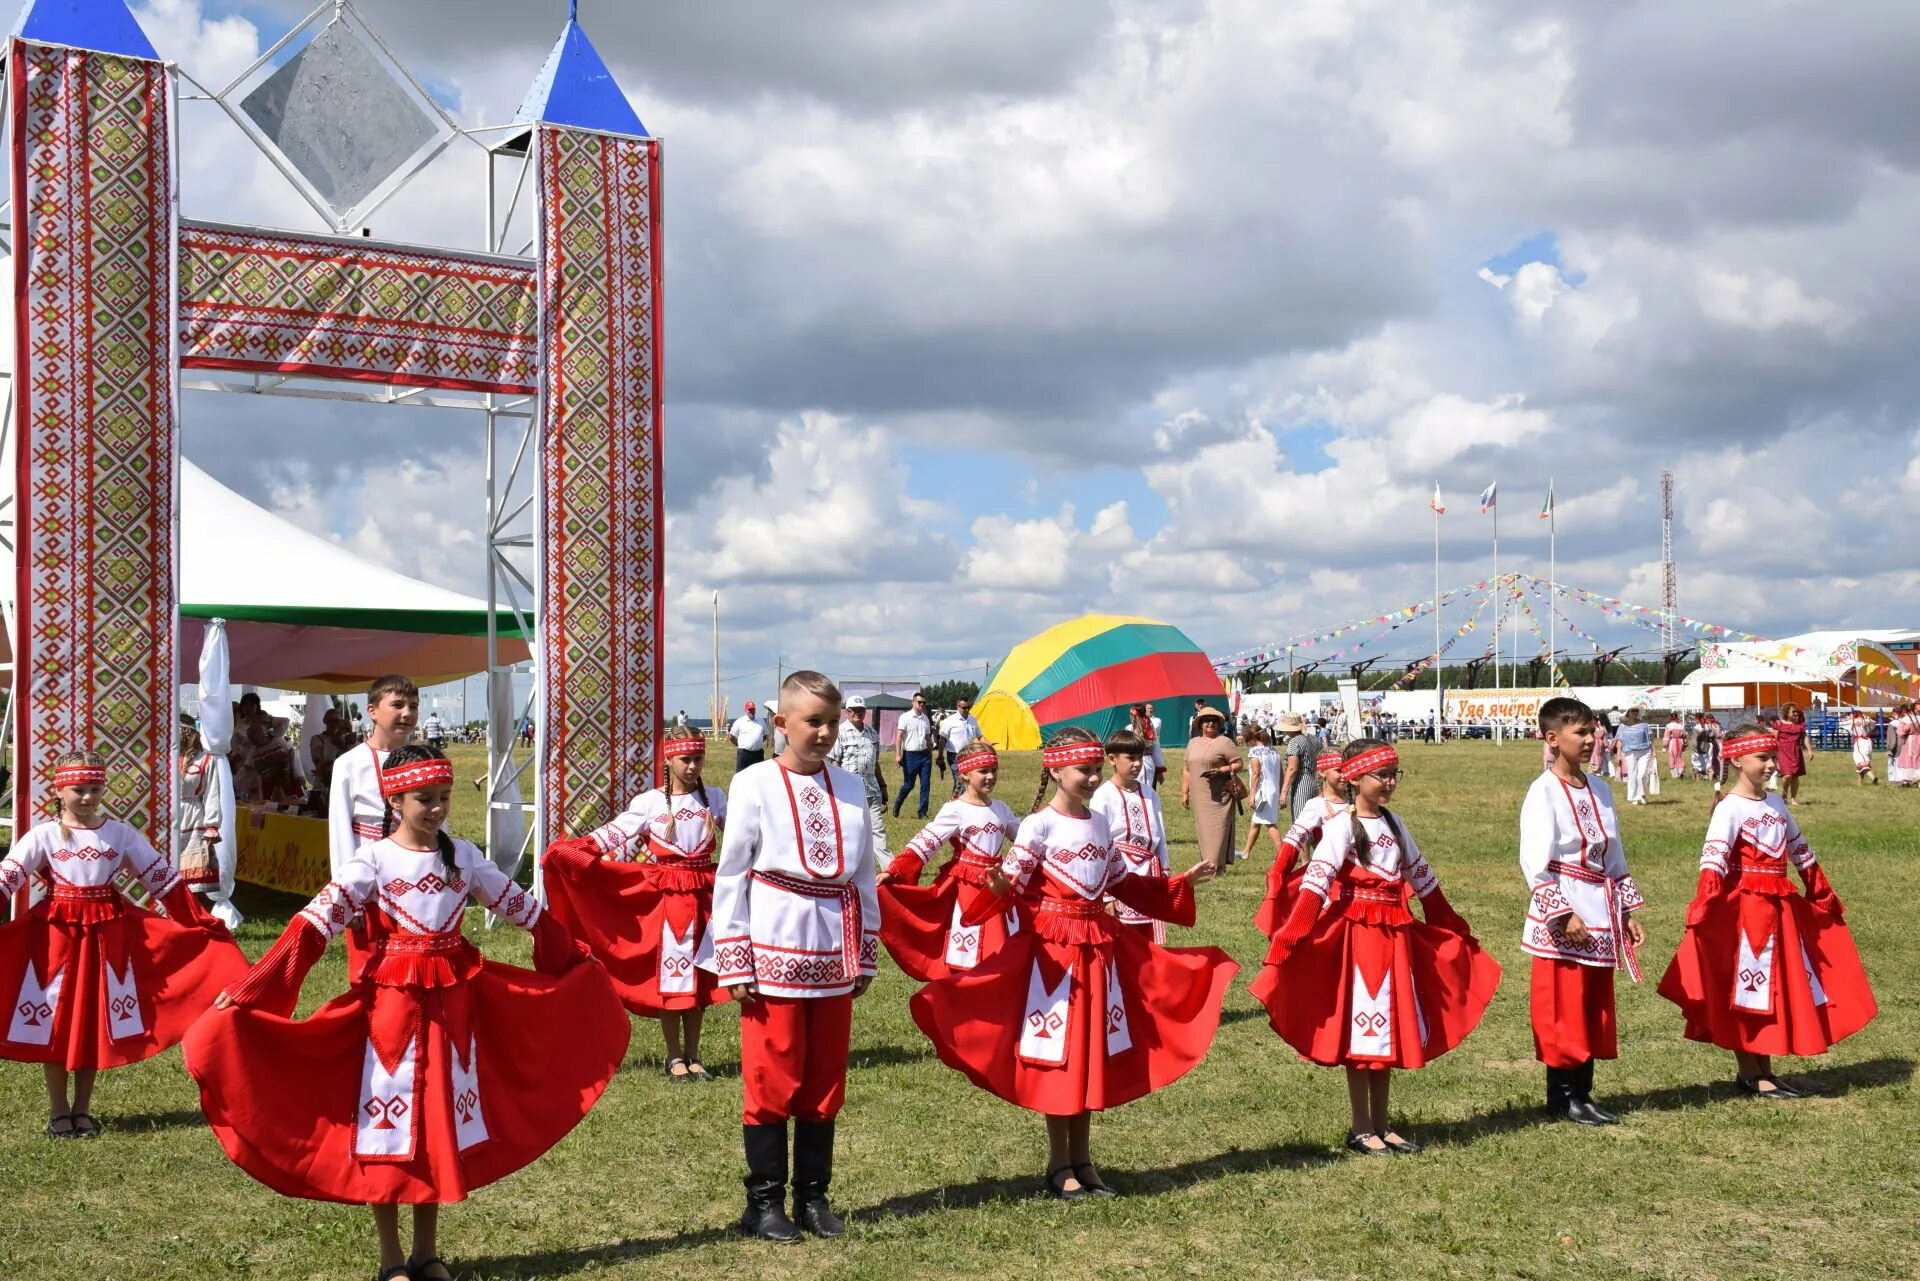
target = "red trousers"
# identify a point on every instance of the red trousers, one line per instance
(793, 1058)
(1572, 1007)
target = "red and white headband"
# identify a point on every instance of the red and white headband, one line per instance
(80, 776)
(685, 746)
(1327, 762)
(1073, 754)
(1374, 758)
(1748, 744)
(413, 776)
(987, 758)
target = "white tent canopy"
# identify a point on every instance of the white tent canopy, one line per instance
(304, 613)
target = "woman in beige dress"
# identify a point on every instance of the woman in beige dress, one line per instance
(1207, 786)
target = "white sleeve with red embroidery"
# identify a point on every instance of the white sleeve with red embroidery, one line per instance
(1721, 830)
(148, 865)
(621, 838)
(352, 888)
(1022, 859)
(1538, 838)
(27, 858)
(1414, 865)
(733, 884)
(1336, 839)
(493, 889)
(938, 831)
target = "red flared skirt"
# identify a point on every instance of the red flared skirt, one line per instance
(920, 924)
(1572, 1010)
(1768, 974)
(409, 1095)
(1170, 1000)
(1282, 888)
(627, 914)
(1358, 994)
(110, 985)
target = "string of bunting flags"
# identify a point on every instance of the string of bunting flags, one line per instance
(1426, 664)
(1276, 651)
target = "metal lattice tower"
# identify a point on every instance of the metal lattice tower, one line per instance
(1669, 583)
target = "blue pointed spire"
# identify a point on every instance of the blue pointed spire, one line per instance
(575, 88)
(104, 26)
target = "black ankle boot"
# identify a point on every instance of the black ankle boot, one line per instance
(766, 1181)
(812, 1174)
(1559, 1092)
(1589, 1112)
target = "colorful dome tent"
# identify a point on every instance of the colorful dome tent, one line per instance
(1088, 672)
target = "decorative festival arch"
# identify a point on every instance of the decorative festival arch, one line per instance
(120, 305)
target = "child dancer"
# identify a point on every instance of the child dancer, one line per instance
(796, 937)
(923, 926)
(1283, 880)
(1263, 766)
(355, 808)
(639, 893)
(1676, 740)
(1579, 927)
(1863, 749)
(96, 982)
(1076, 1014)
(437, 1072)
(1762, 970)
(1134, 819)
(1353, 980)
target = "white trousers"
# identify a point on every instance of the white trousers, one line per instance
(1640, 775)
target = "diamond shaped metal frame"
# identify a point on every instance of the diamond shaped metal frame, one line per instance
(325, 16)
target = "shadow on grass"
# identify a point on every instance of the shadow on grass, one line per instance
(179, 1119)
(1834, 1083)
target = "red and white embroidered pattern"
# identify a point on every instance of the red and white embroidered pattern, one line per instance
(93, 516)
(816, 823)
(601, 518)
(340, 308)
(733, 960)
(330, 909)
(1085, 869)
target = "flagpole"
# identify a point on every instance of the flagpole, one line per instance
(1438, 701)
(1553, 580)
(1498, 734)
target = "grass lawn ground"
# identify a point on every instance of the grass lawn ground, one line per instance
(1235, 1171)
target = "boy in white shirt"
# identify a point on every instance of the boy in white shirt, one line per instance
(796, 926)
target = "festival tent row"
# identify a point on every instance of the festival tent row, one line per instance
(306, 614)
(1839, 668)
(1088, 672)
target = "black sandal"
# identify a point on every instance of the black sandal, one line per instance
(418, 1271)
(678, 1077)
(1357, 1143)
(696, 1071)
(397, 1270)
(93, 1127)
(1095, 1186)
(61, 1135)
(1059, 1193)
(1399, 1146)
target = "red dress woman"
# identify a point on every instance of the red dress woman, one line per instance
(924, 927)
(639, 893)
(1763, 970)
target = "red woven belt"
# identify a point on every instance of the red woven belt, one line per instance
(850, 925)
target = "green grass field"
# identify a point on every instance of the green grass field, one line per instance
(1235, 1171)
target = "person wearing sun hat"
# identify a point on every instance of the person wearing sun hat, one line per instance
(1300, 781)
(1208, 785)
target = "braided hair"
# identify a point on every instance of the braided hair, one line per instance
(412, 754)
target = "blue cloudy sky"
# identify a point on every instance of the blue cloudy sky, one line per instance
(984, 313)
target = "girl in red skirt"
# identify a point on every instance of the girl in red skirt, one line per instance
(639, 893)
(1076, 1014)
(924, 926)
(438, 1072)
(1283, 878)
(1352, 979)
(1763, 970)
(96, 982)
